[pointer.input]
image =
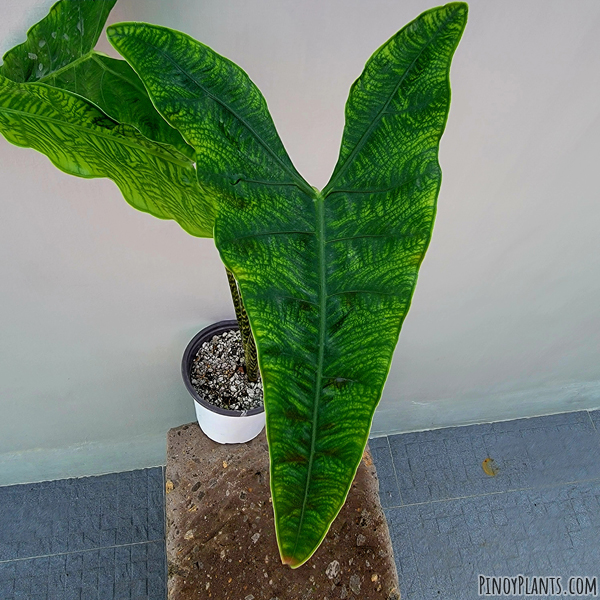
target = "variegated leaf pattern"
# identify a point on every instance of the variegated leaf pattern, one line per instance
(59, 52)
(82, 140)
(326, 277)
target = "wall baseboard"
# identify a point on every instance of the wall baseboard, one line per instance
(82, 460)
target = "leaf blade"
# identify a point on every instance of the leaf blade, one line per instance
(81, 140)
(419, 41)
(59, 51)
(380, 214)
(324, 304)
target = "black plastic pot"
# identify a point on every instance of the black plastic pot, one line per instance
(216, 427)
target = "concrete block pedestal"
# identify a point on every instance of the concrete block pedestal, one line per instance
(221, 536)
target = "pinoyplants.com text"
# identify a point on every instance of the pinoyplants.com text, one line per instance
(520, 585)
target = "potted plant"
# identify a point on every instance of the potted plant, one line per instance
(231, 410)
(326, 276)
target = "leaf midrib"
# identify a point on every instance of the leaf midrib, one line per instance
(91, 55)
(320, 235)
(365, 136)
(64, 68)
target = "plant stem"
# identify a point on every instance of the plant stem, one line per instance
(247, 337)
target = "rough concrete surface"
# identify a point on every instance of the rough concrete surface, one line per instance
(221, 537)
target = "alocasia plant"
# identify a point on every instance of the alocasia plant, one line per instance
(326, 277)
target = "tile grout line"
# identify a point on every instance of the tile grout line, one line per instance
(592, 421)
(596, 429)
(511, 490)
(387, 438)
(80, 551)
(380, 434)
(76, 477)
(164, 497)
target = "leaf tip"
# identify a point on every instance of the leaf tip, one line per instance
(461, 8)
(117, 30)
(112, 31)
(291, 561)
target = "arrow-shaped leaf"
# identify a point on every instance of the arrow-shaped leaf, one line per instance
(326, 277)
(81, 140)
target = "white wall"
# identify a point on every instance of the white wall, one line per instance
(98, 300)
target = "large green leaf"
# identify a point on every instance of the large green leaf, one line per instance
(82, 140)
(59, 51)
(68, 33)
(326, 277)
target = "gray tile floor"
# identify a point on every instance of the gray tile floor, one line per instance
(536, 514)
(102, 538)
(94, 538)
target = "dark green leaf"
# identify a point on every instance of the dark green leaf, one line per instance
(115, 87)
(326, 278)
(68, 33)
(82, 140)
